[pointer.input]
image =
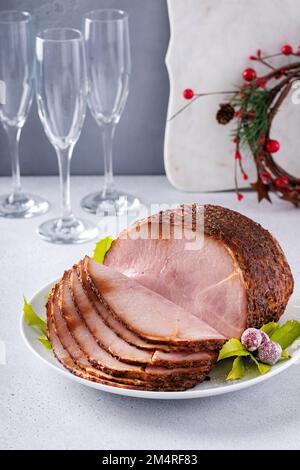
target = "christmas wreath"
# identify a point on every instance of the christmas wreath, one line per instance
(254, 105)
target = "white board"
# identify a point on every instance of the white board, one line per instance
(209, 48)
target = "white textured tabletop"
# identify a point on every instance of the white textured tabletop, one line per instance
(40, 409)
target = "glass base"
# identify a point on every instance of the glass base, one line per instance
(113, 203)
(22, 206)
(67, 232)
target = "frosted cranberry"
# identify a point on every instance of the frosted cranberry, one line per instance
(264, 338)
(251, 339)
(270, 352)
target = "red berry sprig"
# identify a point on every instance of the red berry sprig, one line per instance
(272, 146)
(287, 49)
(249, 75)
(281, 182)
(188, 93)
(253, 117)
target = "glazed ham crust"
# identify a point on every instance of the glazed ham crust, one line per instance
(267, 276)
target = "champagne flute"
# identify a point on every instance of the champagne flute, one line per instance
(61, 88)
(108, 69)
(16, 91)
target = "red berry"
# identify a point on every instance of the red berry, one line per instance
(262, 140)
(245, 176)
(240, 197)
(249, 75)
(261, 83)
(251, 115)
(281, 182)
(188, 94)
(238, 155)
(272, 146)
(252, 57)
(265, 176)
(287, 49)
(258, 53)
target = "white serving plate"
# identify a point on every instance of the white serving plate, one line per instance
(216, 386)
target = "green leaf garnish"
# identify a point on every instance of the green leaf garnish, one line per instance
(32, 319)
(263, 368)
(45, 342)
(287, 333)
(284, 334)
(231, 348)
(269, 328)
(35, 322)
(285, 355)
(101, 248)
(234, 347)
(238, 369)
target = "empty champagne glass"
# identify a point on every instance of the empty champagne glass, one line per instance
(16, 91)
(61, 88)
(108, 69)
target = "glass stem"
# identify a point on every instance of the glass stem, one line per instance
(64, 160)
(13, 135)
(108, 131)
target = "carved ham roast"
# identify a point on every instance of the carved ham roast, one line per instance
(173, 288)
(238, 278)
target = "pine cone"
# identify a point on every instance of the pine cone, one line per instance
(225, 114)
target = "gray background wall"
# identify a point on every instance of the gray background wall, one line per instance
(138, 147)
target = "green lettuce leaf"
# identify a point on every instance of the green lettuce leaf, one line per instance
(35, 322)
(287, 333)
(234, 347)
(238, 369)
(284, 334)
(263, 368)
(32, 319)
(270, 328)
(101, 249)
(45, 342)
(231, 348)
(285, 355)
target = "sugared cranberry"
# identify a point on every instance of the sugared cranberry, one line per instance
(251, 339)
(264, 337)
(269, 352)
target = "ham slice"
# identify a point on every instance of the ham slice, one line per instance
(211, 261)
(148, 314)
(113, 322)
(70, 345)
(67, 361)
(104, 361)
(184, 359)
(104, 335)
(93, 313)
